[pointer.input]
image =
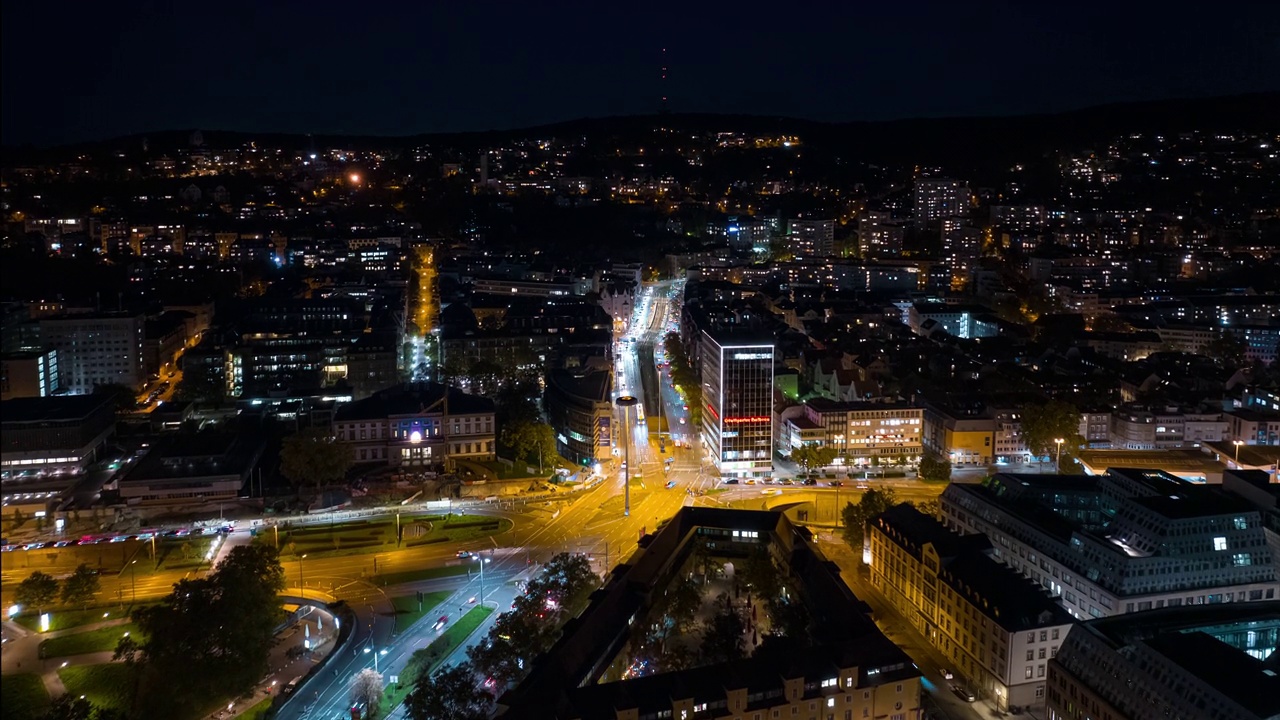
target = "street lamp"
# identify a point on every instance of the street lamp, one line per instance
(133, 579)
(368, 650)
(626, 402)
(1237, 443)
(301, 583)
(1057, 461)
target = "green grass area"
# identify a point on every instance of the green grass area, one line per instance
(424, 661)
(716, 491)
(67, 619)
(23, 697)
(406, 576)
(258, 711)
(109, 685)
(86, 642)
(515, 472)
(371, 536)
(409, 610)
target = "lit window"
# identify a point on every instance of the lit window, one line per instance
(1219, 543)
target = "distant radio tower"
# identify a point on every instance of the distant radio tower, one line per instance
(663, 86)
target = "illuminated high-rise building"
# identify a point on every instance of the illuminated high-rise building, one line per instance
(737, 392)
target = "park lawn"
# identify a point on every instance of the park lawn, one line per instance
(424, 661)
(23, 696)
(396, 578)
(99, 640)
(406, 607)
(67, 619)
(109, 685)
(258, 711)
(364, 536)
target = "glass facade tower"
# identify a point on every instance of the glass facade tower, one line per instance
(737, 388)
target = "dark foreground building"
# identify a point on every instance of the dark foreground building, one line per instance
(845, 669)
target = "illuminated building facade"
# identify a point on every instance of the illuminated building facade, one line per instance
(420, 425)
(737, 389)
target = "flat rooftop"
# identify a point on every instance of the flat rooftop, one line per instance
(1172, 460)
(64, 408)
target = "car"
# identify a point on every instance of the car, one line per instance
(671, 484)
(471, 600)
(863, 486)
(964, 693)
(731, 481)
(836, 483)
(947, 674)
(683, 421)
(464, 554)
(441, 622)
(809, 481)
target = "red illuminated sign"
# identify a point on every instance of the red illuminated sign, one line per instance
(754, 419)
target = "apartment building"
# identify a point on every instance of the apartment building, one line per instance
(962, 435)
(96, 349)
(997, 629)
(1131, 539)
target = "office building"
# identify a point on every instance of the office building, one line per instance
(1130, 539)
(963, 435)
(811, 238)
(860, 431)
(1216, 662)
(996, 628)
(191, 471)
(29, 374)
(53, 434)
(843, 668)
(373, 364)
(96, 349)
(422, 425)
(737, 387)
(577, 402)
(938, 198)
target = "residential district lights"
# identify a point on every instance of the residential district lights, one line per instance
(626, 402)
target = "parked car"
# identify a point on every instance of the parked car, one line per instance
(964, 693)
(947, 674)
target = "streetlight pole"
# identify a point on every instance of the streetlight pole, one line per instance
(1057, 461)
(626, 402)
(133, 579)
(1237, 443)
(301, 583)
(397, 528)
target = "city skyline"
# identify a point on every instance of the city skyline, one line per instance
(126, 71)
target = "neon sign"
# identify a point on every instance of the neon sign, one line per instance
(752, 419)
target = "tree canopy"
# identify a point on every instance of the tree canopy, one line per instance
(723, 637)
(452, 693)
(934, 468)
(313, 457)
(37, 591)
(855, 516)
(80, 588)
(812, 456)
(210, 637)
(1044, 424)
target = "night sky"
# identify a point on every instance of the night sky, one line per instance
(80, 70)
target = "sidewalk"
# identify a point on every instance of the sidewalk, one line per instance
(22, 653)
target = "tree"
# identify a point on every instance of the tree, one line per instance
(935, 469)
(932, 508)
(125, 398)
(210, 637)
(37, 591)
(70, 707)
(722, 638)
(683, 601)
(811, 456)
(761, 575)
(80, 588)
(1226, 349)
(1043, 424)
(366, 687)
(855, 517)
(314, 458)
(450, 694)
